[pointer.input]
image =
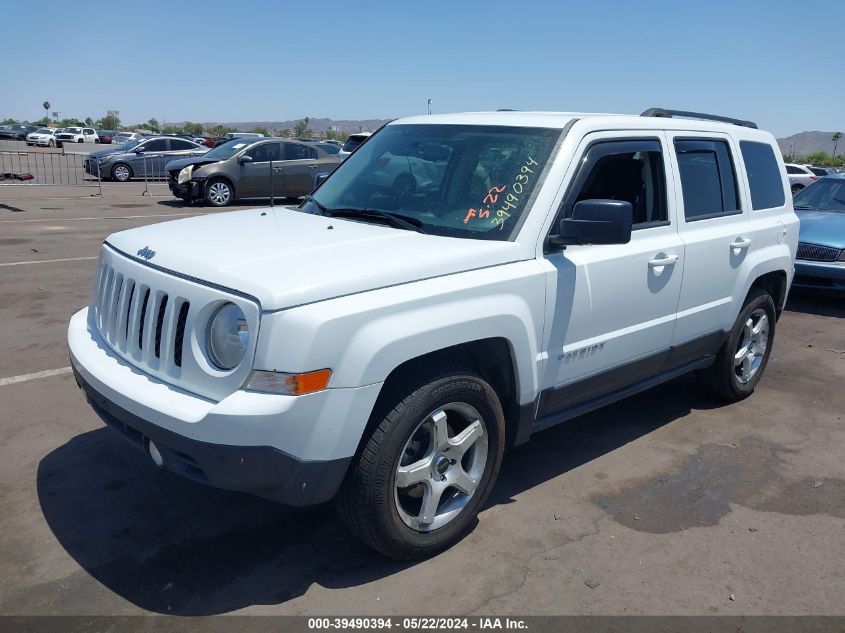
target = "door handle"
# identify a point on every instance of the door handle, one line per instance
(312, 166)
(658, 262)
(741, 242)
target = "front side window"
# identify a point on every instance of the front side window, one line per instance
(473, 181)
(708, 179)
(764, 175)
(629, 170)
(265, 152)
(156, 145)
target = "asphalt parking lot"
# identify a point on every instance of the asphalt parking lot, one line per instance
(666, 503)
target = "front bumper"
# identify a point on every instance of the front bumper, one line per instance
(190, 190)
(819, 275)
(291, 449)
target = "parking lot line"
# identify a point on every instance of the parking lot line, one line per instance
(49, 261)
(39, 374)
(106, 217)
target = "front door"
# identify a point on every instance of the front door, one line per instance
(259, 178)
(611, 308)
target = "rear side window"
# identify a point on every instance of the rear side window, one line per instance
(295, 151)
(708, 178)
(764, 177)
(792, 169)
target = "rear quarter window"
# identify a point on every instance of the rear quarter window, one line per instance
(764, 179)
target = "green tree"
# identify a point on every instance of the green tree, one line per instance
(89, 121)
(108, 123)
(192, 128)
(9, 121)
(301, 128)
(818, 158)
(46, 106)
(171, 129)
(835, 138)
(153, 125)
(70, 123)
(261, 130)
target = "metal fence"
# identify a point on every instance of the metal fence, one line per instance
(48, 168)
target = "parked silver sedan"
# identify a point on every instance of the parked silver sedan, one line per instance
(143, 158)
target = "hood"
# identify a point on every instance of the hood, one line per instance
(106, 152)
(285, 258)
(181, 163)
(825, 228)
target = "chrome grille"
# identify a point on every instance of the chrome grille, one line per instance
(816, 253)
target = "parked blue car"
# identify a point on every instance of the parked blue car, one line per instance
(140, 158)
(820, 264)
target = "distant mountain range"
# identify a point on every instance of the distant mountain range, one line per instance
(806, 143)
(315, 125)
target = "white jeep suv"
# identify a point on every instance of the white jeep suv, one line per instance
(382, 346)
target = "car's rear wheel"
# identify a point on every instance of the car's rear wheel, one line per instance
(740, 363)
(218, 192)
(427, 466)
(796, 189)
(121, 172)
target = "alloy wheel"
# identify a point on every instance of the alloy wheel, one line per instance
(219, 193)
(752, 346)
(440, 467)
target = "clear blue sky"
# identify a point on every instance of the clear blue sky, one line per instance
(778, 63)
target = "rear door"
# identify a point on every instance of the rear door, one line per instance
(714, 225)
(300, 169)
(613, 306)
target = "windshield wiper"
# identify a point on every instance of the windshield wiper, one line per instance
(320, 207)
(406, 222)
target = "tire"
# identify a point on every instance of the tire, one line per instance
(96, 141)
(391, 518)
(219, 192)
(796, 189)
(404, 185)
(80, 141)
(51, 143)
(121, 172)
(752, 336)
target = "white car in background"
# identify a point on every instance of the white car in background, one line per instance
(77, 135)
(124, 137)
(352, 143)
(799, 177)
(43, 136)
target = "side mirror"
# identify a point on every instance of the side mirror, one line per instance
(245, 159)
(321, 178)
(596, 222)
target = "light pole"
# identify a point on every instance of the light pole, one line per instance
(429, 106)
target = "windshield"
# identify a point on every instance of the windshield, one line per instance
(227, 149)
(128, 145)
(468, 181)
(823, 195)
(43, 130)
(73, 130)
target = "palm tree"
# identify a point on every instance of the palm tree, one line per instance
(835, 138)
(46, 106)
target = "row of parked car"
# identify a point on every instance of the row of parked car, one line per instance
(802, 175)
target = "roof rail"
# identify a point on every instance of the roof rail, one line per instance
(660, 112)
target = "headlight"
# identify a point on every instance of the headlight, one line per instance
(105, 159)
(185, 174)
(227, 337)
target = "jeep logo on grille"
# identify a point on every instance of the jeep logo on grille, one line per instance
(146, 253)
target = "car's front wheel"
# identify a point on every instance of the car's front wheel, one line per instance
(740, 363)
(121, 172)
(428, 465)
(51, 143)
(218, 192)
